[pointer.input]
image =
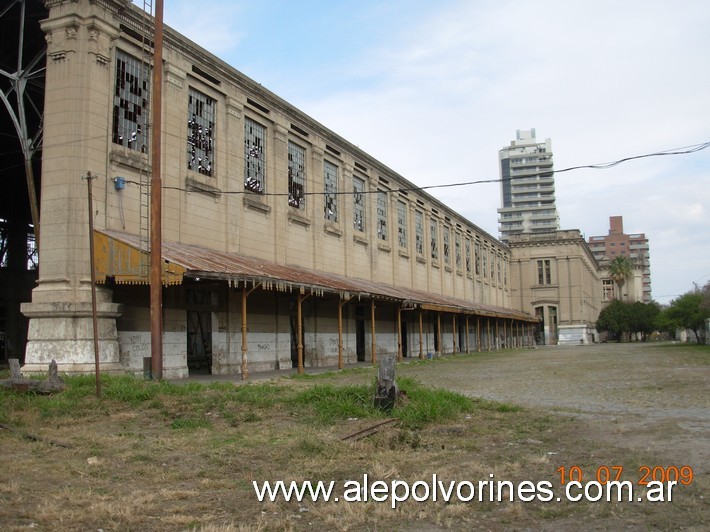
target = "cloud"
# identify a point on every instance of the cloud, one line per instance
(435, 89)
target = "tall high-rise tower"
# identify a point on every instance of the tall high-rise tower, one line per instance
(527, 187)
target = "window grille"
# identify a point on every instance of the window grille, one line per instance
(296, 176)
(130, 103)
(402, 224)
(200, 133)
(358, 204)
(330, 177)
(457, 250)
(382, 215)
(477, 258)
(419, 232)
(434, 231)
(254, 157)
(447, 247)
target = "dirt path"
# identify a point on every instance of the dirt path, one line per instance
(644, 397)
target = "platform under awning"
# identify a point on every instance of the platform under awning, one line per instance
(118, 256)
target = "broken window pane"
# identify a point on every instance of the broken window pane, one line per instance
(447, 248)
(382, 215)
(254, 157)
(478, 258)
(358, 204)
(330, 178)
(457, 251)
(200, 133)
(130, 103)
(419, 232)
(468, 256)
(434, 231)
(296, 176)
(402, 223)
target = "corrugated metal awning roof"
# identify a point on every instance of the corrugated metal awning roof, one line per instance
(197, 261)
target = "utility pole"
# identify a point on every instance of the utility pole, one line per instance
(94, 319)
(156, 277)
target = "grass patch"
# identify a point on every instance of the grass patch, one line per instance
(418, 407)
(190, 423)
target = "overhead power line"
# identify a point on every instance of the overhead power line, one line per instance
(599, 166)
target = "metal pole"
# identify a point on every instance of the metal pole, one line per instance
(245, 367)
(156, 281)
(421, 334)
(372, 330)
(94, 318)
(340, 334)
(399, 333)
(299, 328)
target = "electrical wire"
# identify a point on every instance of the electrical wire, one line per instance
(599, 166)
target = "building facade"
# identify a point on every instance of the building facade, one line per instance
(556, 277)
(283, 244)
(634, 246)
(527, 187)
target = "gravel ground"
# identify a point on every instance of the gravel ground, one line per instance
(646, 397)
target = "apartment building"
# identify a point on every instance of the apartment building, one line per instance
(634, 246)
(527, 187)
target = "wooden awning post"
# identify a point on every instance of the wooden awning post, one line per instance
(341, 304)
(399, 333)
(245, 367)
(438, 333)
(467, 349)
(478, 334)
(372, 331)
(421, 336)
(488, 334)
(299, 332)
(518, 343)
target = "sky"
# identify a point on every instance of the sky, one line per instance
(435, 89)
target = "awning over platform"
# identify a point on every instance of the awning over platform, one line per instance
(118, 256)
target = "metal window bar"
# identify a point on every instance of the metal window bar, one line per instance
(330, 178)
(382, 215)
(434, 230)
(402, 224)
(419, 232)
(130, 102)
(296, 176)
(200, 133)
(358, 204)
(447, 246)
(254, 157)
(457, 251)
(477, 258)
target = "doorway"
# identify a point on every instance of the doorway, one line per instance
(199, 330)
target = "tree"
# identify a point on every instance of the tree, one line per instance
(614, 319)
(689, 312)
(620, 268)
(642, 318)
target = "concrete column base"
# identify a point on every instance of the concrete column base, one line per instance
(63, 331)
